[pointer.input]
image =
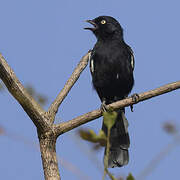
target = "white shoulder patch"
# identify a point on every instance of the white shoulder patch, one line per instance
(132, 57)
(92, 65)
(132, 61)
(117, 76)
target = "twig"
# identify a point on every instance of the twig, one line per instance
(42, 120)
(109, 119)
(110, 175)
(68, 165)
(71, 124)
(31, 107)
(107, 154)
(159, 157)
(47, 131)
(69, 84)
(73, 169)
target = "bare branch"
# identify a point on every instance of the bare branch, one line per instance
(47, 143)
(69, 84)
(71, 124)
(159, 157)
(47, 131)
(31, 107)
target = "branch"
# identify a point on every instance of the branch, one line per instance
(47, 143)
(47, 131)
(42, 120)
(69, 84)
(71, 124)
(159, 157)
(31, 107)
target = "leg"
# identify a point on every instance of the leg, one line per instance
(135, 99)
(103, 105)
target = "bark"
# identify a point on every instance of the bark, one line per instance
(47, 143)
(85, 118)
(44, 121)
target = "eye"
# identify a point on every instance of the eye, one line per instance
(103, 21)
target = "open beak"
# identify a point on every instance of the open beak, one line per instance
(94, 25)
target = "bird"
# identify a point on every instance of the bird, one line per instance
(111, 67)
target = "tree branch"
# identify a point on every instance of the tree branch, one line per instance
(71, 124)
(47, 131)
(69, 84)
(47, 143)
(42, 120)
(31, 107)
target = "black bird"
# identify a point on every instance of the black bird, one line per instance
(111, 66)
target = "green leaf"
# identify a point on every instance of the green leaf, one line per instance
(130, 177)
(90, 135)
(109, 118)
(101, 134)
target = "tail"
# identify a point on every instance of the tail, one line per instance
(119, 141)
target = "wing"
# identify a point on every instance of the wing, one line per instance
(91, 65)
(132, 57)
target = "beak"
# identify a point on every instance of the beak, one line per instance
(91, 28)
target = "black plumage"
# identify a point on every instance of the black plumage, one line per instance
(111, 66)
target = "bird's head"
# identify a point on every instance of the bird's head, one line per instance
(105, 27)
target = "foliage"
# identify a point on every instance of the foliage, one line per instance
(130, 177)
(90, 135)
(42, 99)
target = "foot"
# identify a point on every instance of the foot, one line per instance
(103, 106)
(135, 99)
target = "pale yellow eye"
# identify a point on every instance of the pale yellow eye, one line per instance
(103, 22)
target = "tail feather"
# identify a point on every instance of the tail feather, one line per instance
(119, 141)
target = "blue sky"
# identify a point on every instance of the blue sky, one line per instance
(44, 40)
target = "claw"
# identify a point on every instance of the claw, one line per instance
(103, 106)
(131, 106)
(135, 99)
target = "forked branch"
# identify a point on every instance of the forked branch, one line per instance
(30, 106)
(69, 84)
(47, 131)
(71, 124)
